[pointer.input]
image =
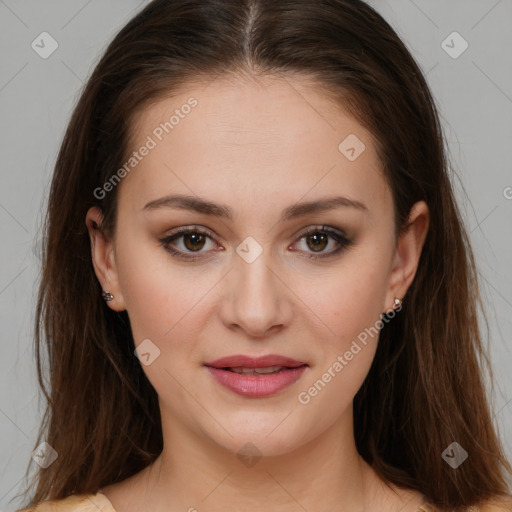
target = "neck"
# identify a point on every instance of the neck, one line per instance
(194, 472)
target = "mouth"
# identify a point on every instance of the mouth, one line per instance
(256, 377)
(269, 370)
(261, 362)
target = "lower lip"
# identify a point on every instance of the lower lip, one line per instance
(255, 385)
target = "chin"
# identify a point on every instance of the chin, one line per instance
(253, 441)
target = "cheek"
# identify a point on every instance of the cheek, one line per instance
(344, 360)
(329, 394)
(160, 296)
(349, 305)
(342, 302)
(165, 304)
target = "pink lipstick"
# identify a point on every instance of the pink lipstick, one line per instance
(256, 376)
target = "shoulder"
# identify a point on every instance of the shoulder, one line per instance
(496, 505)
(74, 503)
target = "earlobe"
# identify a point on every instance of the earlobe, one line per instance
(408, 251)
(103, 260)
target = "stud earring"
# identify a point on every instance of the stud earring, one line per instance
(107, 296)
(391, 313)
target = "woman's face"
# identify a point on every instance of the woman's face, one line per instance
(259, 164)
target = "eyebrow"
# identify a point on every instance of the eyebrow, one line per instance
(196, 204)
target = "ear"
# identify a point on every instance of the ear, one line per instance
(407, 253)
(104, 258)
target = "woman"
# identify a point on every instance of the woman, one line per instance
(259, 192)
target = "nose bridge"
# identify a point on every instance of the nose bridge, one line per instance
(258, 300)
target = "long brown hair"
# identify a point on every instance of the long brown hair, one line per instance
(425, 387)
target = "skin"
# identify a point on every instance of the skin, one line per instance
(257, 146)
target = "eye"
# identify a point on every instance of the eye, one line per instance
(317, 239)
(194, 239)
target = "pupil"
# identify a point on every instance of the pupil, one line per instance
(196, 238)
(317, 241)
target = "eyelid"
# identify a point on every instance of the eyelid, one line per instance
(340, 237)
(178, 233)
(319, 228)
(194, 228)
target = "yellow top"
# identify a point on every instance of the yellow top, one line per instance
(99, 502)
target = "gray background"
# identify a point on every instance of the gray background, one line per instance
(473, 92)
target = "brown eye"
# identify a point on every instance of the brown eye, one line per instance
(184, 242)
(317, 241)
(194, 241)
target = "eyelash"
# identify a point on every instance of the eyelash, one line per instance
(325, 230)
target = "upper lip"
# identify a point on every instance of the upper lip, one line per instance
(240, 360)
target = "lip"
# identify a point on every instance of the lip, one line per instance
(256, 385)
(254, 362)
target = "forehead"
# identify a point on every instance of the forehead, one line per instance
(272, 140)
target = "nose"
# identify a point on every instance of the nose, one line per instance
(258, 300)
